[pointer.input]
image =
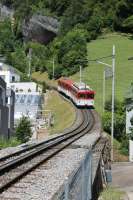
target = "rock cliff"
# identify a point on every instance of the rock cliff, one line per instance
(40, 28)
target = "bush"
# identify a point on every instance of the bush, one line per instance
(72, 51)
(23, 130)
(124, 148)
(119, 119)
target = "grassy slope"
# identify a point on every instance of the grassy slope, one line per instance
(118, 156)
(93, 74)
(12, 142)
(63, 112)
(43, 77)
(111, 194)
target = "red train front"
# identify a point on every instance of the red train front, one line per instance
(79, 93)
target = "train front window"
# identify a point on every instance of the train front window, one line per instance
(90, 96)
(86, 96)
(82, 96)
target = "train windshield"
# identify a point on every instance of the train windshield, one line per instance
(86, 96)
(90, 96)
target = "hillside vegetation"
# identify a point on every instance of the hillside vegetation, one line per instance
(80, 22)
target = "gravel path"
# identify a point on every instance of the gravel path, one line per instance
(122, 177)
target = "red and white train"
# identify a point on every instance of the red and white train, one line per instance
(79, 93)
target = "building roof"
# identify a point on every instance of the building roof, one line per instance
(5, 67)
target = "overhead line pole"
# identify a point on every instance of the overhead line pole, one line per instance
(113, 89)
(113, 100)
(80, 73)
(29, 62)
(53, 69)
(103, 90)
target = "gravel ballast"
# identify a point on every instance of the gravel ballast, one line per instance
(43, 182)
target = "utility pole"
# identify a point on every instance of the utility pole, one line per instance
(103, 90)
(113, 100)
(80, 74)
(29, 62)
(53, 68)
(12, 23)
(113, 96)
(113, 88)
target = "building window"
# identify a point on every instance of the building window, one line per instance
(29, 90)
(13, 78)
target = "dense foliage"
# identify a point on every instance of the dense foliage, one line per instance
(23, 130)
(119, 120)
(81, 21)
(119, 124)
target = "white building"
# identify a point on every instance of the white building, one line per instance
(12, 78)
(129, 108)
(25, 87)
(9, 74)
(129, 116)
(27, 104)
(28, 95)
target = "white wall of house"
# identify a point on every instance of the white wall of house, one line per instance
(129, 115)
(9, 74)
(25, 87)
(9, 77)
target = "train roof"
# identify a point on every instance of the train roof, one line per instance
(67, 81)
(80, 86)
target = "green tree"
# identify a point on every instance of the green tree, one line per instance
(7, 39)
(94, 26)
(118, 106)
(57, 6)
(39, 56)
(76, 13)
(73, 51)
(128, 24)
(124, 9)
(119, 124)
(23, 130)
(119, 119)
(19, 60)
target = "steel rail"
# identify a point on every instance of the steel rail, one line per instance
(33, 146)
(5, 167)
(60, 144)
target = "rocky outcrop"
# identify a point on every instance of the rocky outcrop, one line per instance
(40, 28)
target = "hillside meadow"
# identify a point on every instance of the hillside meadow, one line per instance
(93, 74)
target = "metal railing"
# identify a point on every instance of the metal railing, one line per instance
(78, 185)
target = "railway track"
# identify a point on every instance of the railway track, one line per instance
(19, 164)
(8, 158)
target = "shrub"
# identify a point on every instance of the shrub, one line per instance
(23, 130)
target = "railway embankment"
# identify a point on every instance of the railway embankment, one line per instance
(62, 175)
